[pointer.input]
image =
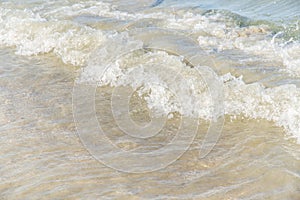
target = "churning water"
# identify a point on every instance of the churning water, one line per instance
(152, 51)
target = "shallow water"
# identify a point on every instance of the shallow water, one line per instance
(109, 47)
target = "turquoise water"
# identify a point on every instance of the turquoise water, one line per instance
(274, 10)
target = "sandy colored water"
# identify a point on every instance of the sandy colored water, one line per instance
(48, 47)
(43, 158)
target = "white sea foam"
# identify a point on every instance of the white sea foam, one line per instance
(279, 104)
(51, 28)
(31, 34)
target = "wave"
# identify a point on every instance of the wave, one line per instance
(72, 31)
(31, 35)
(280, 104)
(75, 31)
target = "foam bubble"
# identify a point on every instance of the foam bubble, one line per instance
(51, 28)
(279, 104)
(33, 35)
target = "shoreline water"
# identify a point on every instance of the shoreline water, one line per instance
(47, 46)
